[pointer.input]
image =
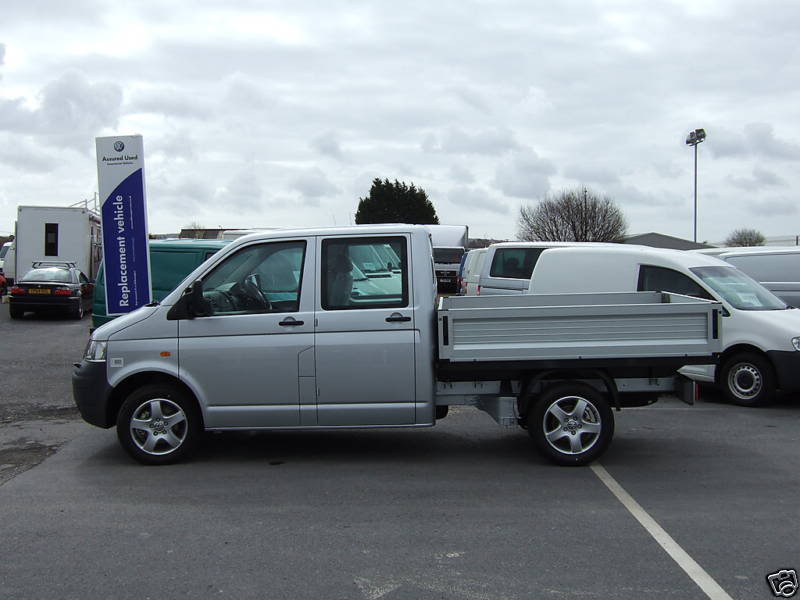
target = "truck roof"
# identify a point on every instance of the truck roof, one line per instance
(382, 229)
(641, 254)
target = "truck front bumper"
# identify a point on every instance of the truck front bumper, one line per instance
(92, 393)
(787, 369)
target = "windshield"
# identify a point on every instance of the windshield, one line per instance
(447, 255)
(738, 289)
(57, 275)
(3, 251)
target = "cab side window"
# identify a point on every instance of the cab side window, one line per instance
(659, 279)
(262, 278)
(364, 273)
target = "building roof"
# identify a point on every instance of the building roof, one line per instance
(660, 240)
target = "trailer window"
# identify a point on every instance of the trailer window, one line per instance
(51, 239)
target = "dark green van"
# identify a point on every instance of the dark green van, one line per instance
(170, 262)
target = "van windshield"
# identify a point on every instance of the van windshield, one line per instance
(738, 289)
(4, 250)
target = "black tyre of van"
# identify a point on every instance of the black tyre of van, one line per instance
(748, 379)
(159, 424)
(571, 424)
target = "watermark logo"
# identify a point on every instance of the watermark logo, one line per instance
(783, 583)
(119, 146)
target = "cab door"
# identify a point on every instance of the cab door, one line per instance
(365, 333)
(245, 357)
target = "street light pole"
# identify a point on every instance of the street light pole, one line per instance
(693, 139)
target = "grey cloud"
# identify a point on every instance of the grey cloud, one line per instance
(72, 110)
(170, 101)
(760, 179)
(457, 141)
(312, 185)
(476, 198)
(758, 139)
(2, 54)
(18, 153)
(328, 144)
(461, 174)
(773, 207)
(524, 175)
(173, 145)
(242, 194)
(591, 174)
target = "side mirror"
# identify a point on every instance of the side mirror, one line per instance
(190, 305)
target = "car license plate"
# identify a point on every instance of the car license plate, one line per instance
(445, 280)
(39, 291)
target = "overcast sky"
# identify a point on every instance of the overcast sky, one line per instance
(259, 113)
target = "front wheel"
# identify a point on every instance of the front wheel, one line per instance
(159, 424)
(748, 380)
(571, 424)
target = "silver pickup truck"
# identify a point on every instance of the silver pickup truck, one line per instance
(287, 330)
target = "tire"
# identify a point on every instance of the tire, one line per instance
(565, 437)
(748, 379)
(15, 311)
(77, 312)
(154, 439)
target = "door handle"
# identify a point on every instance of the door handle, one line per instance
(290, 322)
(397, 318)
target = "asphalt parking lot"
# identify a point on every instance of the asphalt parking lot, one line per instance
(464, 510)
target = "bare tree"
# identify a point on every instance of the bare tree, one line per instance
(745, 237)
(573, 215)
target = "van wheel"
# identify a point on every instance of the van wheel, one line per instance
(159, 424)
(571, 424)
(748, 380)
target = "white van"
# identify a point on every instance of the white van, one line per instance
(507, 266)
(761, 335)
(473, 264)
(776, 268)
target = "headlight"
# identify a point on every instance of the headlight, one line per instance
(796, 343)
(95, 351)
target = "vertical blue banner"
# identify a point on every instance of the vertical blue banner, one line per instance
(124, 219)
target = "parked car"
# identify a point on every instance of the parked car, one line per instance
(170, 262)
(761, 336)
(52, 286)
(776, 268)
(3, 285)
(507, 266)
(472, 272)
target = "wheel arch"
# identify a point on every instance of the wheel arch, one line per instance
(556, 376)
(138, 380)
(738, 349)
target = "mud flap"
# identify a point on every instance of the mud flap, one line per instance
(686, 389)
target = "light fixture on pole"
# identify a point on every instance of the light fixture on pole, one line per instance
(694, 138)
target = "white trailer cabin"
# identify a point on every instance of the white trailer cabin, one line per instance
(57, 233)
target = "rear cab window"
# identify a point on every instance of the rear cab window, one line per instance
(354, 277)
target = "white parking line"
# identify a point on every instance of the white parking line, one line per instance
(704, 581)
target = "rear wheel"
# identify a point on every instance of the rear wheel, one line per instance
(159, 424)
(15, 312)
(748, 380)
(571, 424)
(77, 311)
